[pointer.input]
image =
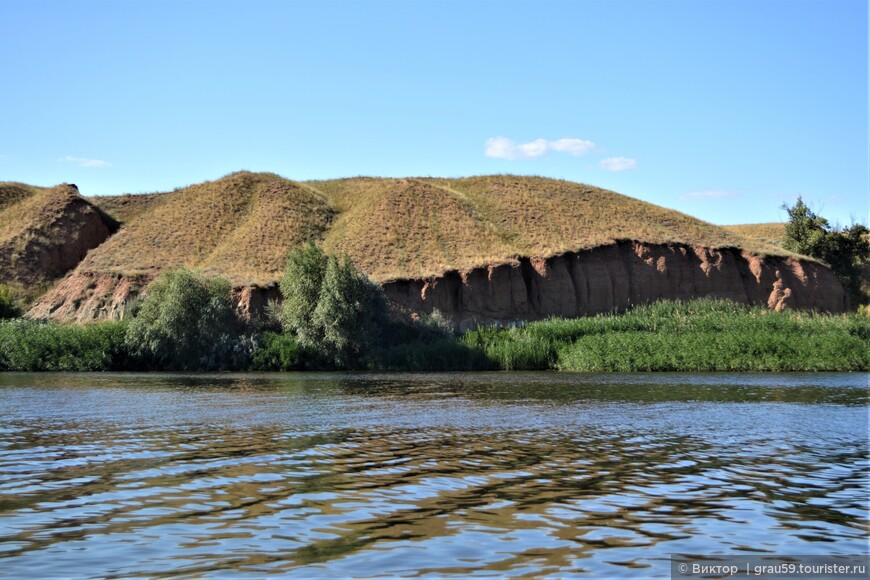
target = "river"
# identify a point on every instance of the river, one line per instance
(364, 475)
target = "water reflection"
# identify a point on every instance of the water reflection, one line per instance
(360, 475)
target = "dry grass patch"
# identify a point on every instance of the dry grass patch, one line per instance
(771, 234)
(129, 206)
(415, 227)
(239, 227)
(12, 192)
(27, 211)
(242, 226)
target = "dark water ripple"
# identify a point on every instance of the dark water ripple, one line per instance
(368, 476)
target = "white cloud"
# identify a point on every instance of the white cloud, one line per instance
(85, 162)
(504, 148)
(618, 164)
(575, 147)
(708, 194)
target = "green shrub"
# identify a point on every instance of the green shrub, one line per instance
(276, 352)
(330, 307)
(300, 288)
(10, 306)
(844, 249)
(27, 345)
(187, 322)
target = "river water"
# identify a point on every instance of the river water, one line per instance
(501, 474)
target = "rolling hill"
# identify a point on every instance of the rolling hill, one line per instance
(241, 227)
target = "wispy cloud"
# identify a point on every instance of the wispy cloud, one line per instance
(702, 194)
(504, 148)
(618, 164)
(85, 162)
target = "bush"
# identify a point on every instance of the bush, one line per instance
(330, 307)
(276, 352)
(10, 306)
(187, 322)
(27, 345)
(300, 287)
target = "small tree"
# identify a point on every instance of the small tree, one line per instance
(350, 312)
(300, 288)
(329, 306)
(186, 322)
(843, 249)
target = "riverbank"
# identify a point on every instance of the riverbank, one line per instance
(697, 336)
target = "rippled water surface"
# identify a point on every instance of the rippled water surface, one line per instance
(333, 475)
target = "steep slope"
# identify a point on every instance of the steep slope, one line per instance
(45, 232)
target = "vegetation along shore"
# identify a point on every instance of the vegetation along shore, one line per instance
(481, 273)
(334, 318)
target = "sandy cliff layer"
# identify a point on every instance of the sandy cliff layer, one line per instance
(616, 277)
(603, 279)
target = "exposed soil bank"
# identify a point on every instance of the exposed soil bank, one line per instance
(616, 277)
(603, 279)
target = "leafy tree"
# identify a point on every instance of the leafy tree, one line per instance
(186, 322)
(843, 249)
(330, 306)
(350, 311)
(300, 288)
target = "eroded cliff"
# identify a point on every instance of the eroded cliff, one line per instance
(613, 277)
(616, 277)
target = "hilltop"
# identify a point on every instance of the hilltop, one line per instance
(241, 226)
(46, 231)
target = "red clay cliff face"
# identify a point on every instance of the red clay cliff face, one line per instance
(617, 277)
(602, 279)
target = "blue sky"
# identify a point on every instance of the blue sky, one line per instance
(722, 110)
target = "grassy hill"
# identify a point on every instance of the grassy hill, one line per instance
(415, 227)
(241, 226)
(771, 234)
(45, 231)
